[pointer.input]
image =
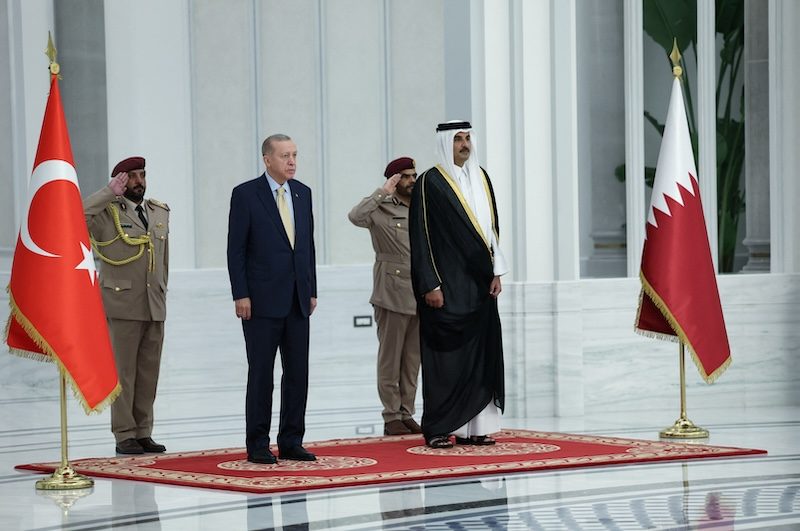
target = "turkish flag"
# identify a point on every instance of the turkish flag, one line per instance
(679, 298)
(56, 310)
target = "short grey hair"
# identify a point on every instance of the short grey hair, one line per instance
(267, 146)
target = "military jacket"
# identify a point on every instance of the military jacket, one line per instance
(387, 221)
(136, 288)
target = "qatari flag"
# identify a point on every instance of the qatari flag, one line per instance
(679, 298)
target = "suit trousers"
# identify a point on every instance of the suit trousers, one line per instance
(398, 363)
(137, 353)
(264, 336)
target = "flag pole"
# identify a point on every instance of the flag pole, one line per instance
(683, 428)
(64, 477)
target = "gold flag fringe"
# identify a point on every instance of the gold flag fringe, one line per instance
(650, 333)
(26, 325)
(647, 289)
(50, 356)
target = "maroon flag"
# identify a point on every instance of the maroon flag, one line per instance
(679, 298)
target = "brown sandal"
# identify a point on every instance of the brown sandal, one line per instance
(476, 440)
(439, 442)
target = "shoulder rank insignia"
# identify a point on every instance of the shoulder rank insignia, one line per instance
(158, 204)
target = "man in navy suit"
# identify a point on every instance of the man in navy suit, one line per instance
(271, 263)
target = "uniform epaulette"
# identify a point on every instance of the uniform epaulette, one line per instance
(158, 204)
(120, 203)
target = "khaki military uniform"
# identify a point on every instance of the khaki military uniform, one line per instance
(134, 289)
(393, 300)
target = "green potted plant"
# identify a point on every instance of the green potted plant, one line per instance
(668, 20)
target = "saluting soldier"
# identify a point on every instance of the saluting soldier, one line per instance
(385, 214)
(130, 236)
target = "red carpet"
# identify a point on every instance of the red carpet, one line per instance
(374, 460)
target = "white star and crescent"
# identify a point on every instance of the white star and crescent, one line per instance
(47, 172)
(88, 263)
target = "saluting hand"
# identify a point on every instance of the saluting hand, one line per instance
(118, 183)
(391, 184)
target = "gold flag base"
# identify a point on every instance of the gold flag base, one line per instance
(64, 478)
(684, 429)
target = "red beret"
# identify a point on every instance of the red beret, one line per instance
(398, 165)
(129, 164)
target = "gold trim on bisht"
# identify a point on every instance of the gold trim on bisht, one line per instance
(467, 209)
(424, 181)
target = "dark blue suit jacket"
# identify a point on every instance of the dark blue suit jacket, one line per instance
(261, 263)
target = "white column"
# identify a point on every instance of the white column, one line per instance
(519, 259)
(707, 120)
(756, 135)
(634, 134)
(492, 106)
(776, 141)
(565, 135)
(149, 106)
(25, 85)
(30, 21)
(535, 194)
(567, 321)
(524, 95)
(784, 129)
(514, 111)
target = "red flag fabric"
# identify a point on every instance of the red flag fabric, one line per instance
(679, 298)
(56, 310)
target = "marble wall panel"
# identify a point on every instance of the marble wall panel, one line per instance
(8, 222)
(288, 85)
(149, 106)
(623, 370)
(526, 313)
(226, 145)
(355, 102)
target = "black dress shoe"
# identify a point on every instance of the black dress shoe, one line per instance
(262, 457)
(129, 446)
(297, 453)
(150, 446)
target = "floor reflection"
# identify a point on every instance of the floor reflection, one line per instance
(272, 512)
(134, 502)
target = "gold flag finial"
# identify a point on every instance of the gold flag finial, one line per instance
(675, 57)
(51, 54)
